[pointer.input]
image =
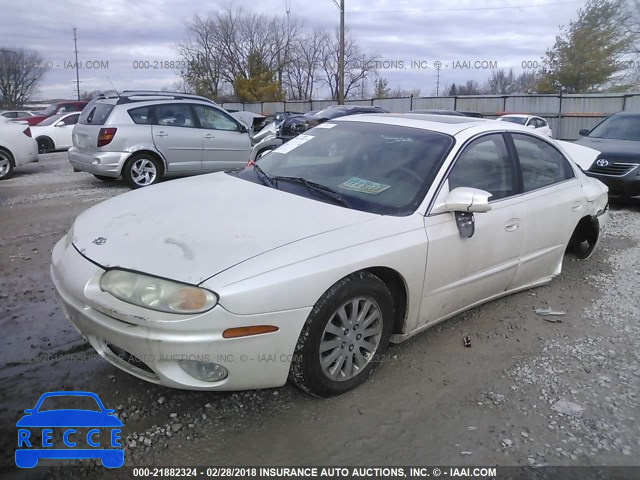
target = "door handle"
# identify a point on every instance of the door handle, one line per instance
(576, 206)
(161, 134)
(208, 135)
(512, 225)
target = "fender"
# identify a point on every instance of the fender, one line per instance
(148, 147)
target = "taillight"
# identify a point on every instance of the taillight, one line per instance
(105, 136)
(27, 132)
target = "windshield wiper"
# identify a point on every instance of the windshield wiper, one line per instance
(266, 179)
(316, 187)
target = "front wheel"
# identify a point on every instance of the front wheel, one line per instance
(142, 170)
(45, 145)
(344, 336)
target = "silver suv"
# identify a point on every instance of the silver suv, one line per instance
(144, 136)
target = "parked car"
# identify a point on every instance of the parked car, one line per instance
(365, 229)
(530, 121)
(145, 136)
(16, 148)
(53, 109)
(293, 125)
(618, 139)
(54, 133)
(8, 115)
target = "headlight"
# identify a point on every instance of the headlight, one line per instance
(156, 293)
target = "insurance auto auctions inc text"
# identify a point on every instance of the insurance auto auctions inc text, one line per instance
(377, 472)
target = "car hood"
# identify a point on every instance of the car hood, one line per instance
(194, 228)
(608, 146)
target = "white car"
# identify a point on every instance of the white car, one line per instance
(531, 121)
(363, 230)
(16, 147)
(55, 132)
(8, 115)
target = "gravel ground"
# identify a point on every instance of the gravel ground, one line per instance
(529, 391)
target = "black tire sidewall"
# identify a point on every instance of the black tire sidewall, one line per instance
(11, 164)
(50, 147)
(306, 371)
(126, 171)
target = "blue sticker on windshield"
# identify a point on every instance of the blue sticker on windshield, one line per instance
(364, 186)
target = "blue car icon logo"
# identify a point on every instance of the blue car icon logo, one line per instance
(69, 433)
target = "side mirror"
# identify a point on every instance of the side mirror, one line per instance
(531, 125)
(60, 124)
(583, 132)
(463, 202)
(465, 199)
(242, 128)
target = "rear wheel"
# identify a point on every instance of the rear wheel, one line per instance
(104, 179)
(142, 170)
(344, 336)
(45, 145)
(6, 164)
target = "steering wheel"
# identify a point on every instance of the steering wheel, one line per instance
(405, 172)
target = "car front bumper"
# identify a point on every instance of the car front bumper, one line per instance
(108, 164)
(152, 348)
(621, 186)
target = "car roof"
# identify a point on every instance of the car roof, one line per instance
(517, 115)
(449, 124)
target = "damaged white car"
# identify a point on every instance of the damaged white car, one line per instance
(362, 231)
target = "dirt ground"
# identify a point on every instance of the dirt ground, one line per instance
(527, 392)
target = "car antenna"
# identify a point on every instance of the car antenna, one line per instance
(113, 86)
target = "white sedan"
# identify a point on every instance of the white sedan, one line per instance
(531, 121)
(362, 231)
(54, 133)
(16, 147)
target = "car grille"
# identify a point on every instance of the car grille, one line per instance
(613, 169)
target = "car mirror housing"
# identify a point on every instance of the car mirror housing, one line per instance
(242, 128)
(465, 199)
(60, 124)
(583, 132)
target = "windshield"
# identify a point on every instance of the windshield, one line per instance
(378, 168)
(50, 110)
(618, 128)
(518, 120)
(69, 402)
(51, 120)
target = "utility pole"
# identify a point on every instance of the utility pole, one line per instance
(75, 43)
(341, 61)
(438, 66)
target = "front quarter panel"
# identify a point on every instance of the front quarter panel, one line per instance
(296, 275)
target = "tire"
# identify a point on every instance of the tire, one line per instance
(105, 179)
(325, 336)
(45, 145)
(6, 164)
(142, 170)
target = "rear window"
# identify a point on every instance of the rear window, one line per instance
(96, 114)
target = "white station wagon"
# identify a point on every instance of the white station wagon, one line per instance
(304, 266)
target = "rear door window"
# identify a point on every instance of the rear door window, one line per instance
(96, 115)
(541, 164)
(174, 115)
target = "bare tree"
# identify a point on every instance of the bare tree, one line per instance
(20, 72)
(501, 82)
(304, 62)
(357, 66)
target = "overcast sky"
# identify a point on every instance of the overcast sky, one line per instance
(121, 33)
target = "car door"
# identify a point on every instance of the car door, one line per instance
(465, 271)
(62, 135)
(553, 203)
(177, 136)
(225, 144)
